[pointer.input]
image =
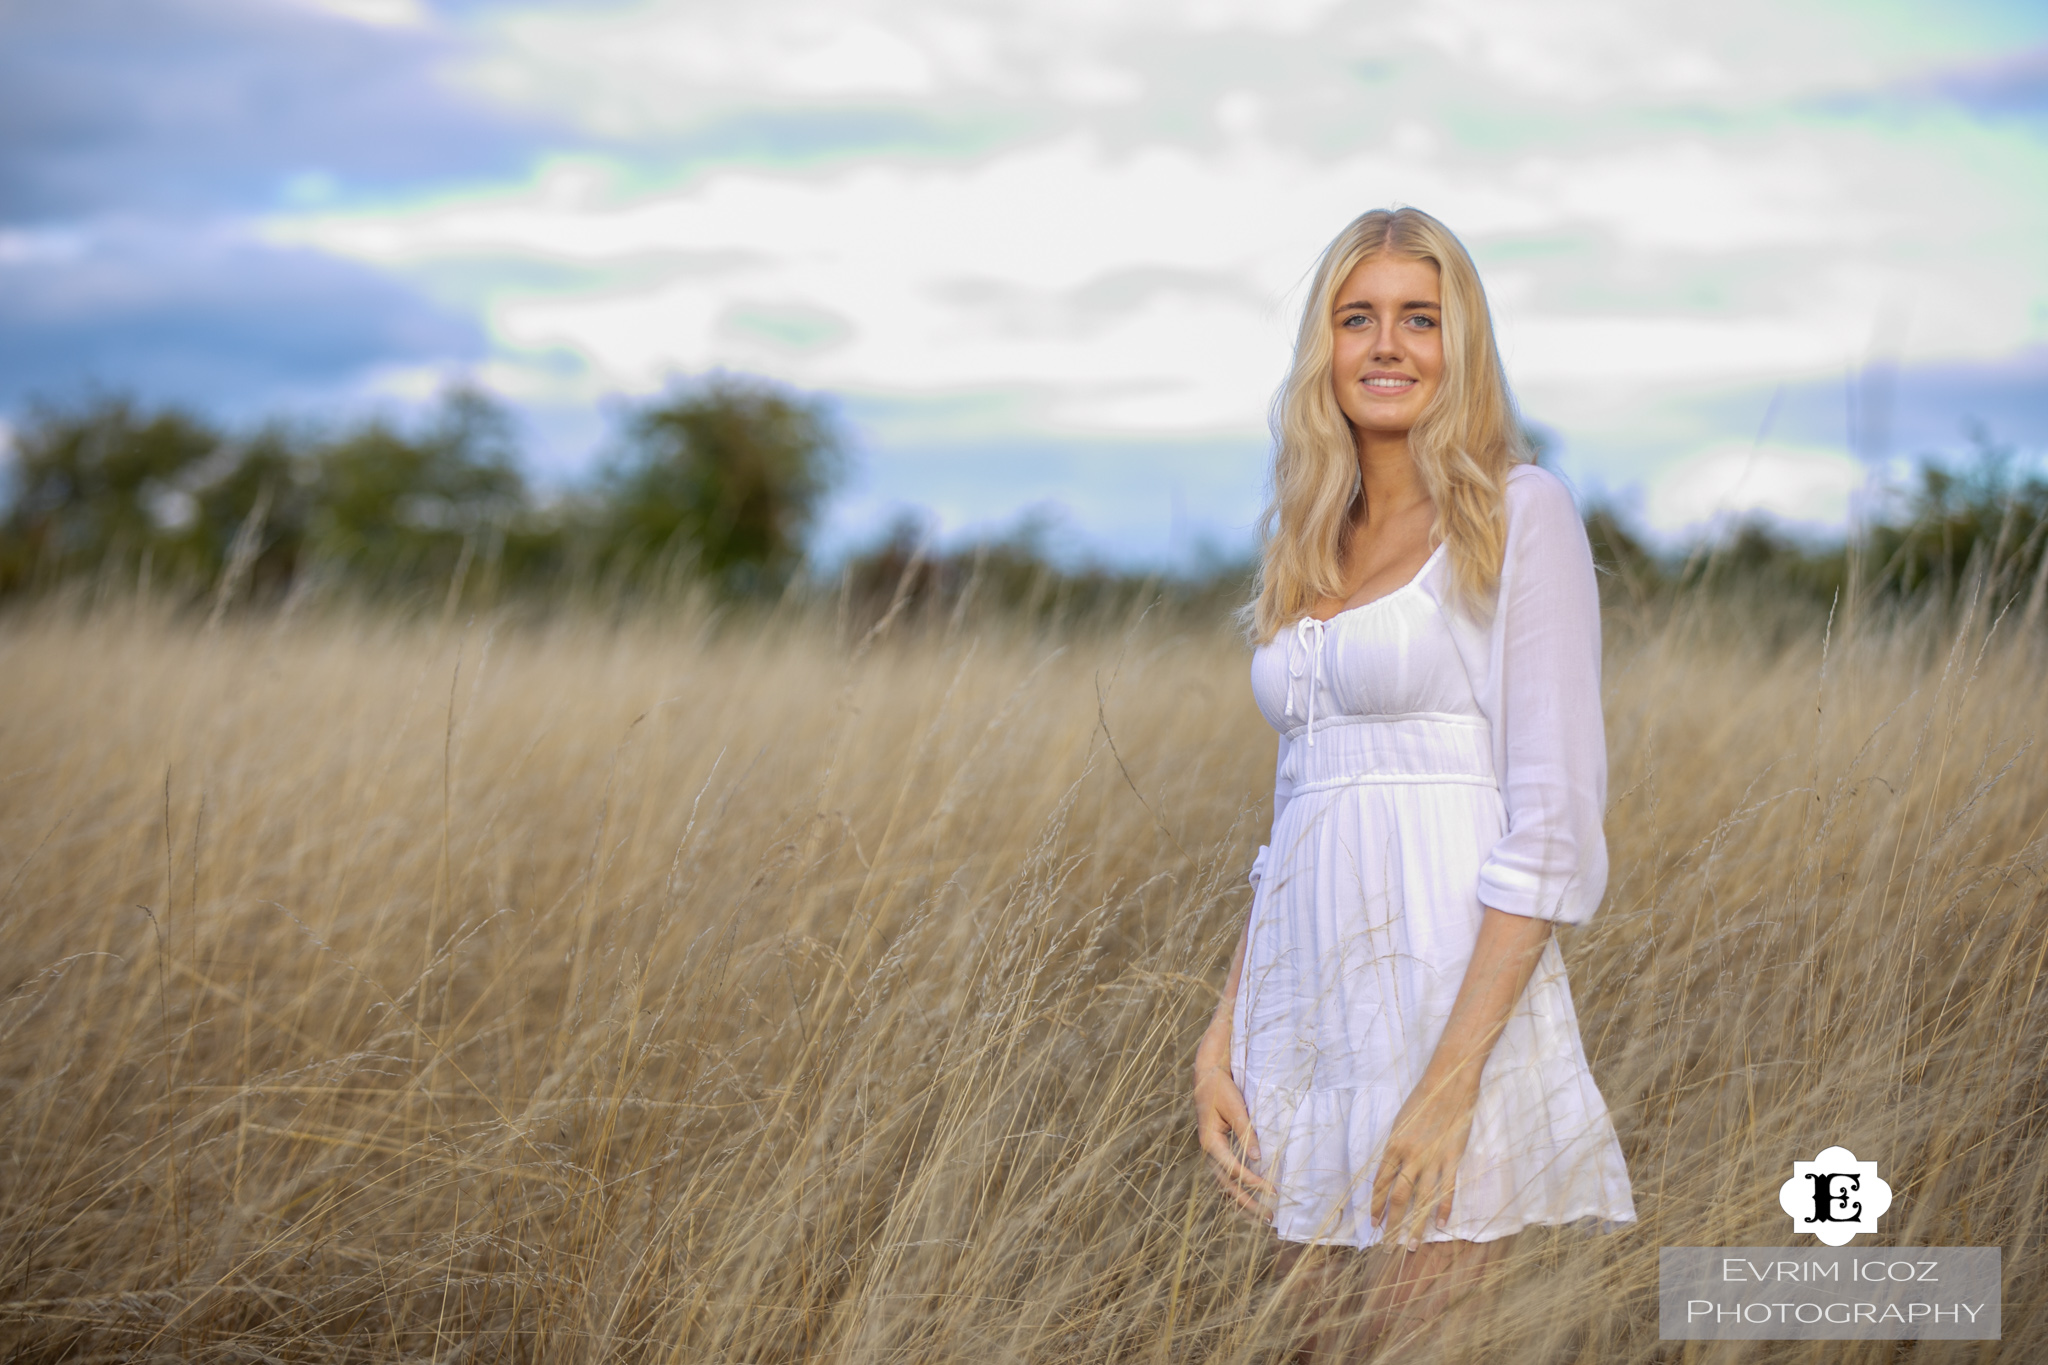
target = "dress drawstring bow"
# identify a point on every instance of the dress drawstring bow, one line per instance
(1308, 633)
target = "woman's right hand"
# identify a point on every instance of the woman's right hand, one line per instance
(1220, 1115)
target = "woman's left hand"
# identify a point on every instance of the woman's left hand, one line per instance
(1419, 1172)
(1420, 1167)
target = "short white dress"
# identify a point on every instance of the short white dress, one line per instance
(1433, 761)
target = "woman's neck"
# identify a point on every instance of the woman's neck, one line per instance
(1387, 473)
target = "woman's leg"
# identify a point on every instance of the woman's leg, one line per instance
(1330, 1286)
(1441, 1291)
(1357, 1301)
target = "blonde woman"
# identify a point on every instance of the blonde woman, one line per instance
(1396, 1061)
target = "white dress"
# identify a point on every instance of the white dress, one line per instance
(1432, 762)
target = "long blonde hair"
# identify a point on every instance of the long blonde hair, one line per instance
(1464, 442)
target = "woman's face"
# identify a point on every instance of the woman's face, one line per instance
(1387, 332)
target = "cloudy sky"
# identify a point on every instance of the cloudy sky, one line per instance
(1044, 251)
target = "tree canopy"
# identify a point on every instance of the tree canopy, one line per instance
(722, 480)
(726, 479)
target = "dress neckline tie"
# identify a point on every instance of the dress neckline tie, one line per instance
(1308, 633)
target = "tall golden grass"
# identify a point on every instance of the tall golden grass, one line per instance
(697, 990)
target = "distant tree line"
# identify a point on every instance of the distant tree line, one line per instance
(1971, 528)
(717, 485)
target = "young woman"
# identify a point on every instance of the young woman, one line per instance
(1396, 1061)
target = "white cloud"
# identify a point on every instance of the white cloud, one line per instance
(1579, 50)
(376, 13)
(663, 64)
(1152, 286)
(1619, 349)
(1113, 220)
(1687, 195)
(1803, 485)
(1145, 287)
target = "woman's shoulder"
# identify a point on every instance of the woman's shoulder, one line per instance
(1535, 492)
(1534, 483)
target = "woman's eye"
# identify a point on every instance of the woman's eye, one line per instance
(1420, 320)
(1355, 320)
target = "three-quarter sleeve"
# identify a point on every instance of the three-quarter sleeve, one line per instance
(1550, 744)
(1283, 790)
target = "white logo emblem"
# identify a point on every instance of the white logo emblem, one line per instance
(1835, 1196)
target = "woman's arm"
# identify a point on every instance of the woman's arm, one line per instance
(1550, 863)
(1420, 1167)
(1544, 703)
(1220, 1108)
(1219, 1102)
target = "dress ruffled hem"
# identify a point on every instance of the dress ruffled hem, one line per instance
(1589, 1223)
(1316, 1139)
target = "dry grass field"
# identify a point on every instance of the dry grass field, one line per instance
(700, 991)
